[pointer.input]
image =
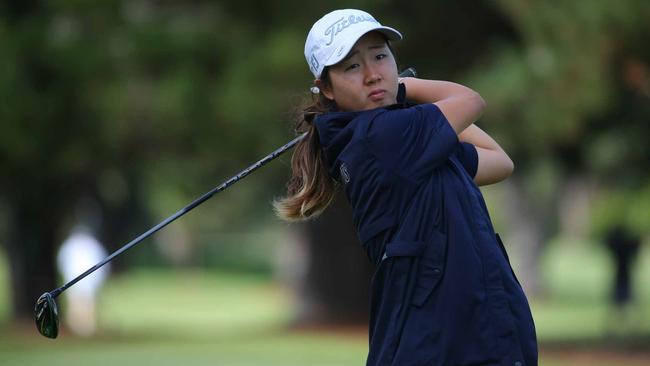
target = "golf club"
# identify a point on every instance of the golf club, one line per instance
(46, 313)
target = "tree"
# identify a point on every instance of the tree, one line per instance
(91, 92)
(568, 100)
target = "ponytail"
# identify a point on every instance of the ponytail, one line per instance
(310, 188)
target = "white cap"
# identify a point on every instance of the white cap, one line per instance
(333, 36)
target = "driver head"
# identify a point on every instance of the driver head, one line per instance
(46, 316)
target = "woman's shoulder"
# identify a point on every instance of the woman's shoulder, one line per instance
(382, 123)
(396, 119)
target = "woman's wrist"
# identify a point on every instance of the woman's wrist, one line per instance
(406, 81)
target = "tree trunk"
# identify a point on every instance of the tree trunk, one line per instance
(529, 228)
(334, 288)
(31, 245)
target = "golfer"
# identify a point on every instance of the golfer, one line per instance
(443, 292)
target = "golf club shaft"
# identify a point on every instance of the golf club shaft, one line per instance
(408, 72)
(182, 212)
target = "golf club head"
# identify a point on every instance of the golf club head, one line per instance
(47, 316)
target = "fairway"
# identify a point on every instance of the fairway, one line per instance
(168, 317)
(259, 348)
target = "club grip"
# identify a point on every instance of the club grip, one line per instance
(410, 72)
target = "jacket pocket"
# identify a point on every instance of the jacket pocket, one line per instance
(402, 248)
(426, 268)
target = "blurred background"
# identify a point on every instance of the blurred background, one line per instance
(114, 114)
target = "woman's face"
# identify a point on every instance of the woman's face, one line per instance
(366, 78)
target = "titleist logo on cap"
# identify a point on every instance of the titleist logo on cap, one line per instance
(341, 24)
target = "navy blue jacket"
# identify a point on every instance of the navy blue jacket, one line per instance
(443, 292)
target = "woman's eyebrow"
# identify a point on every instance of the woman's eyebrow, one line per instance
(355, 51)
(352, 53)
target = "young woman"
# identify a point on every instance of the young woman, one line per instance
(443, 292)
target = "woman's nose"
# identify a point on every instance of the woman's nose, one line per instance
(372, 76)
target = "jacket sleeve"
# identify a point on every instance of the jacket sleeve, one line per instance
(412, 141)
(468, 156)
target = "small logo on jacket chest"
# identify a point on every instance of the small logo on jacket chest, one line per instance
(345, 175)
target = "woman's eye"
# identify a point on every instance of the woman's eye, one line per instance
(380, 56)
(353, 66)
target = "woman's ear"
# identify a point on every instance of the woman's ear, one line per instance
(325, 88)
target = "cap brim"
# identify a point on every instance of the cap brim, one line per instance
(390, 33)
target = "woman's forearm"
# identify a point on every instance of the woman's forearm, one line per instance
(479, 138)
(494, 164)
(431, 91)
(460, 104)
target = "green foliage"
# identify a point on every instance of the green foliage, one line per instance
(628, 209)
(573, 92)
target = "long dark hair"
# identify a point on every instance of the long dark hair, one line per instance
(310, 188)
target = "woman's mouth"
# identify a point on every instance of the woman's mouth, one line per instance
(377, 95)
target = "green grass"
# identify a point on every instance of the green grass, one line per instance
(166, 317)
(4, 289)
(181, 317)
(577, 278)
(264, 348)
(193, 303)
